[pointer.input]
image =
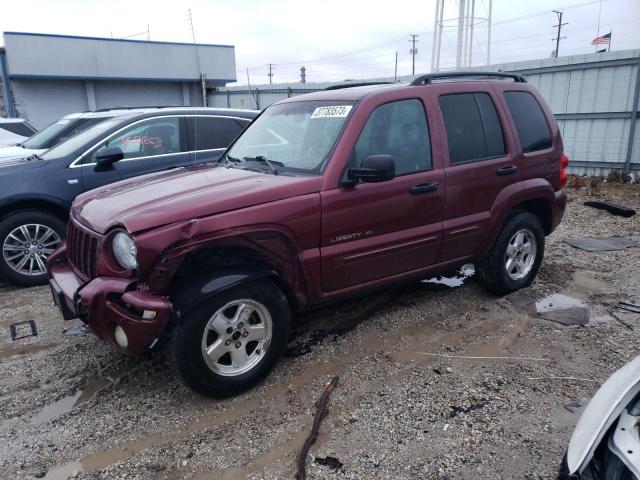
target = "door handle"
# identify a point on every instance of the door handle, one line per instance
(506, 170)
(424, 188)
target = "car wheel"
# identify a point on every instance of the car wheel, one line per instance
(27, 239)
(516, 255)
(232, 341)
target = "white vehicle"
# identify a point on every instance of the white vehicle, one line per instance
(606, 441)
(56, 133)
(14, 131)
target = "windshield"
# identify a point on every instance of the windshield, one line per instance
(82, 141)
(59, 131)
(296, 137)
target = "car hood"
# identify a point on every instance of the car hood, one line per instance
(18, 152)
(183, 194)
(603, 409)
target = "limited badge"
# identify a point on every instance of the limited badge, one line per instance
(338, 111)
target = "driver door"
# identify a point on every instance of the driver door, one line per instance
(148, 145)
(376, 230)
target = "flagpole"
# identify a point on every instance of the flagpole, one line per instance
(599, 15)
(610, 40)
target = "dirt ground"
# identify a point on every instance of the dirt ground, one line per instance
(406, 406)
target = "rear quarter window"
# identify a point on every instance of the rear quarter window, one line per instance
(532, 126)
(215, 132)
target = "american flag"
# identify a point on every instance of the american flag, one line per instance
(603, 40)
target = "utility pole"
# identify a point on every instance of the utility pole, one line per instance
(203, 83)
(395, 72)
(558, 37)
(303, 75)
(413, 52)
(270, 74)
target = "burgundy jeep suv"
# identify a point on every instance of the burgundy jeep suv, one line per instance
(323, 196)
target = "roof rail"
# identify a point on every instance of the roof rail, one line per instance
(428, 78)
(106, 109)
(355, 84)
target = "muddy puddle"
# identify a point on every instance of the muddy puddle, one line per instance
(453, 281)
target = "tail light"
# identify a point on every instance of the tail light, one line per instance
(564, 176)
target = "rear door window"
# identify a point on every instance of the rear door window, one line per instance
(399, 129)
(211, 133)
(473, 128)
(532, 126)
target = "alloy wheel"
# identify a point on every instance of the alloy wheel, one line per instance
(521, 254)
(27, 247)
(237, 337)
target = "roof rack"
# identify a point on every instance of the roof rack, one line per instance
(428, 78)
(355, 84)
(106, 109)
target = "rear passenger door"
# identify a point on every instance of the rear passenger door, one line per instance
(149, 145)
(481, 164)
(209, 136)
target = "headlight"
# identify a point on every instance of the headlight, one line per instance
(124, 251)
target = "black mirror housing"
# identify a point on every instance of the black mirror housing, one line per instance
(106, 157)
(375, 168)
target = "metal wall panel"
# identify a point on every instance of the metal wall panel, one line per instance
(118, 94)
(48, 100)
(59, 56)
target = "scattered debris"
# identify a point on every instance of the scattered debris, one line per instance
(455, 410)
(483, 358)
(22, 330)
(77, 331)
(612, 208)
(630, 307)
(331, 462)
(570, 406)
(604, 244)
(552, 377)
(567, 316)
(620, 320)
(313, 435)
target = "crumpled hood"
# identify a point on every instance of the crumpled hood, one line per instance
(166, 197)
(18, 152)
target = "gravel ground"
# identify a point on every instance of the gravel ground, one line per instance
(73, 406)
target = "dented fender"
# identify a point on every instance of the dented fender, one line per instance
(188, 295)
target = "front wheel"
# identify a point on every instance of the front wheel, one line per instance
(27, 239)
(232, 341)
(516, 255)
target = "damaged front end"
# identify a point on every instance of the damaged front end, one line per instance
(606, 441)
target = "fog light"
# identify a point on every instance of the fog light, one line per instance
(121, 337)
(149, 314)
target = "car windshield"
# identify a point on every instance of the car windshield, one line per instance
(83, 140)
(59, 131)
(292, 137)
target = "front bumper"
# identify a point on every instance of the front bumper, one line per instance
(105, 303)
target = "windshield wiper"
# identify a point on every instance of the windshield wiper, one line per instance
(226, 159)
(35, 156)
(266, 161)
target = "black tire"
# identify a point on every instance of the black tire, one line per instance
(491, 270)
(9, 224)
(187, 348)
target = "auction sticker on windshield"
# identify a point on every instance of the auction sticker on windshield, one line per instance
(337, 111)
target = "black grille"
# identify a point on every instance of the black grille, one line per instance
(82, 249)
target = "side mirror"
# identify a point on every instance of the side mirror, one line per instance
(375, 168)
(106, 157)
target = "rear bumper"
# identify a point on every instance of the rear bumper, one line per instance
(105, 303)
(559, 206)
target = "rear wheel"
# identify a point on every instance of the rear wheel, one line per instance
(516, 256)
(27, 239)
(232, 340)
